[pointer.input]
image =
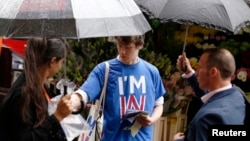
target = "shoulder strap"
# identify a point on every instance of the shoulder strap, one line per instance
(103, 94)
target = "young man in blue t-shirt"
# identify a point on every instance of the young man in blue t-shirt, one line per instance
(133, 84)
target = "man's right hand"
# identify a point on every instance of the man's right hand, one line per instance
(77, 103)
(183, 64)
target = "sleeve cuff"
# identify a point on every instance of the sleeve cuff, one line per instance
(84, 95)
(188, 75)
(159, 101)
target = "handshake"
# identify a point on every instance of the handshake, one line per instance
(77, 103)
(67, 87)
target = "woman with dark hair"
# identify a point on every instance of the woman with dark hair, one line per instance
(24, 112)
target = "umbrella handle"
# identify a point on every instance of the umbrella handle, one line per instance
(64, 89)
(82, 104)
(184, 65)
(185, 39)
(184, 69)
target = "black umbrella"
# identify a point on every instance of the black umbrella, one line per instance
(224, 15)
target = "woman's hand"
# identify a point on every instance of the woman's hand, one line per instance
(64, 107)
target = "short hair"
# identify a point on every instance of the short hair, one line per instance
(126, 40)
(223, 60)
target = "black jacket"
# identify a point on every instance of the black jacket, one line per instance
(13, 129)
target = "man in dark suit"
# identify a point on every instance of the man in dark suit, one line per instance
(223, 104)
(184, 65)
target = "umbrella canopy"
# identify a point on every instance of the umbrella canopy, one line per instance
(224, 15)
(71, 18)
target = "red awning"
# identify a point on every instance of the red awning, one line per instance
(15, 45)
(1, 44)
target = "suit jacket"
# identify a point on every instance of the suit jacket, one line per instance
(224, 108)
(196, 102)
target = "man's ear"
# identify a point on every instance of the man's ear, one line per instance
(140, 47)
(213, 71)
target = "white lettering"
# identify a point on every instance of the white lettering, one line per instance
(216, 132)
(137, 84)
(120, 85)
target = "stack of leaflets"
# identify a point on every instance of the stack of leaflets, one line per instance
(129, 117)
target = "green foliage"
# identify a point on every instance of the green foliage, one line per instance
(162, 41)
(73, 69)
(236, 47)
(85, 55)
(162, 62)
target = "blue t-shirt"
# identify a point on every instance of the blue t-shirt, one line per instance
(129, 87)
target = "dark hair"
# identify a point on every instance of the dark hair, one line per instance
(39, 52)
(126, 40)
(223, 60)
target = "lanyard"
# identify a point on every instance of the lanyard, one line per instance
(46, 94)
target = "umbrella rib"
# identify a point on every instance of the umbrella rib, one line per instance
(124, 7)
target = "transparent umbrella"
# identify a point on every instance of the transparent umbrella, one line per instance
(71, 18)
